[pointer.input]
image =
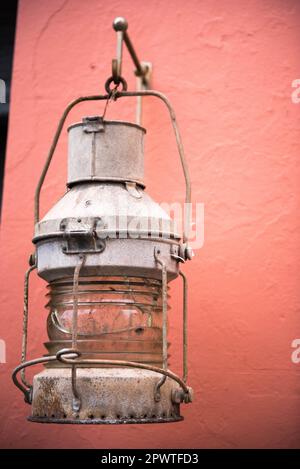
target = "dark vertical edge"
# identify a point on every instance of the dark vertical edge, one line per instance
(8, 18)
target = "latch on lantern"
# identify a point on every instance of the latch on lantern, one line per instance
(81, 241)
(93, 124)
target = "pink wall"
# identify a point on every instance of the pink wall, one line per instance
(227, 68)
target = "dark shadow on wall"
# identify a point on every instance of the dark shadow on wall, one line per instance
(8, 16)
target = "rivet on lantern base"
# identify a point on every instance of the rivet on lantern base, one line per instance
(108, 396)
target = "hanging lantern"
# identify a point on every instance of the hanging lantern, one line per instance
(107, 252)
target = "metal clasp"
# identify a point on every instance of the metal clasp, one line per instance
(93, 124)
(81, 241)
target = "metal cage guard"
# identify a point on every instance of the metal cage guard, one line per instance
(72, 356)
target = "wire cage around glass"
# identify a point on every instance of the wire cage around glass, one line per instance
(107, 300)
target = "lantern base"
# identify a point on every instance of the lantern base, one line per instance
(103, 422)
(108, 396)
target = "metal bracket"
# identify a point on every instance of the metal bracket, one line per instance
(93, 124)
(182, 252)
(140, 86)
(143, 70)
(174, 252)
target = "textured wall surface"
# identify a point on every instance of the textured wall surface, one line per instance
(227, 68)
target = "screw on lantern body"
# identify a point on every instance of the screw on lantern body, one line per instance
(107, 252)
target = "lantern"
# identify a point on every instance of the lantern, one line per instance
(107, 252)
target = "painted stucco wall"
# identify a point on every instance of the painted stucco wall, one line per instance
(227, 67)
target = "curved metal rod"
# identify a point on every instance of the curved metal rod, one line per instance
(164, 282)
(120, 25)
(75, 361)
(76, 396)
(184, 331)
(53, 147)
(188, 190)
(36, 361)
(143, 366)
(25, 322)
(116, 96)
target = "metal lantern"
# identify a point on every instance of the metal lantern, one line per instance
(107, 252)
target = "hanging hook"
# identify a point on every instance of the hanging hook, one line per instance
(120, 25)
(143, 70)
(111, 80)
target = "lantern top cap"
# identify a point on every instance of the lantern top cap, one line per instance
(102, 150)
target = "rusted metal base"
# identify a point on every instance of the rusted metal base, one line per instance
(108, 396)
(104, 421)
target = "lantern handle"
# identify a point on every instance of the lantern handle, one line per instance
(117, 95)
